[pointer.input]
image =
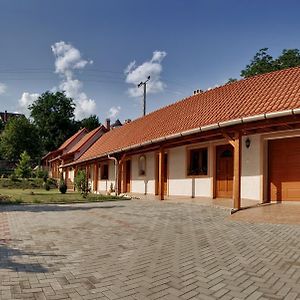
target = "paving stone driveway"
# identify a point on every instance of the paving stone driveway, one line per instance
(144, 250)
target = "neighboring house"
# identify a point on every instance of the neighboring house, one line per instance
(52, 160)
(5, 116)
(238, 141)
(76, 151)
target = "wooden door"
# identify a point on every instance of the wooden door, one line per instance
(224, 171)
(157, 174)
(284, 169)
(127, 176)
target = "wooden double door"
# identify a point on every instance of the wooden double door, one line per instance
(224, 171)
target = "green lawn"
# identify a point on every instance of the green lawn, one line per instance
(16, 196)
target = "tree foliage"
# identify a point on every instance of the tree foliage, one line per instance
(90, 123)
(18, 136)
(53, 115)
(81, 183)
(23, 169)
(263, 62)
(1, 126)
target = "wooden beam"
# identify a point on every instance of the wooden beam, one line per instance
(161, 173)
(95, 187)
(237, 144)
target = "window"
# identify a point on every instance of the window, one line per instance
(142, 165)
(197, 161)
(104, 172)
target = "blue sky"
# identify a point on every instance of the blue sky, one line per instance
(198, 44)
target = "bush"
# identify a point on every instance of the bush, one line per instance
(81, 183)
(41, 173)
(62, 187)
(31, 183)
(47, 186)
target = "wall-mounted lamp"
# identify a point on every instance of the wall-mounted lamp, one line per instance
(248, 142)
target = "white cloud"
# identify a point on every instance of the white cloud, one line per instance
(153, 68)
(3, 88)
(26, 100)
(67, 60)
(114, 112)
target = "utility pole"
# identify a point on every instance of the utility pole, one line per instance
(145, 90)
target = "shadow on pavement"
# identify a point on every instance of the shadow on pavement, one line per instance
(53, 207)
(9, 260)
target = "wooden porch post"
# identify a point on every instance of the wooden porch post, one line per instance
(120, 177)
(237, 144)
(95, 177)
(161, 173)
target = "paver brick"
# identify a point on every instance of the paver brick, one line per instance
(144, 250)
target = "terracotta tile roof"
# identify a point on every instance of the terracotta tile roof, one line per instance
(271, 92)
(85, 139)
(71, 139)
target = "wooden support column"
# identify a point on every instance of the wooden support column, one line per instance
(120, 177)
(237, 144)
(161, 173)
(95, 177)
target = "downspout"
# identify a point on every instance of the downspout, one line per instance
(116, 173)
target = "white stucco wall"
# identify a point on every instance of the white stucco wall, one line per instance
(143, 184)
(71, 175)
(104, 185)
(181, 185)
(251, 179)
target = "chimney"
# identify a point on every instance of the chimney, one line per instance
(107, 124)
(197, 92)
(5, 117)
(127, 121)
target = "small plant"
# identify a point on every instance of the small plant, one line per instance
(111, 189)
(46, 186)
(62, 187)
(23, 169)
(81, 183)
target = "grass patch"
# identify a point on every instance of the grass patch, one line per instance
(40, 196)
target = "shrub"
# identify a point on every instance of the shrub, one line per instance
(81, 183)
(23, 169)
(62, 187)
(47, 186)
(41, 173)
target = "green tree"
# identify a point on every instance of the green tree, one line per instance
(231, 80)
(1, 126)
(24, 169)
(288, 59)
(53, 115)
(90, 123)
(18, 136)
(261, 63)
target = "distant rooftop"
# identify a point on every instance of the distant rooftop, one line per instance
(5, 116)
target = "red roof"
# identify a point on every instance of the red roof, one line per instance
(71, 139)
(271, 92)
(85, 139)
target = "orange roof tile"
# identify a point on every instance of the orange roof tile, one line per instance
(71, 139)
(85, 139)
(271, 92)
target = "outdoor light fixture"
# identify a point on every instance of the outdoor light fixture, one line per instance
(248, 142)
